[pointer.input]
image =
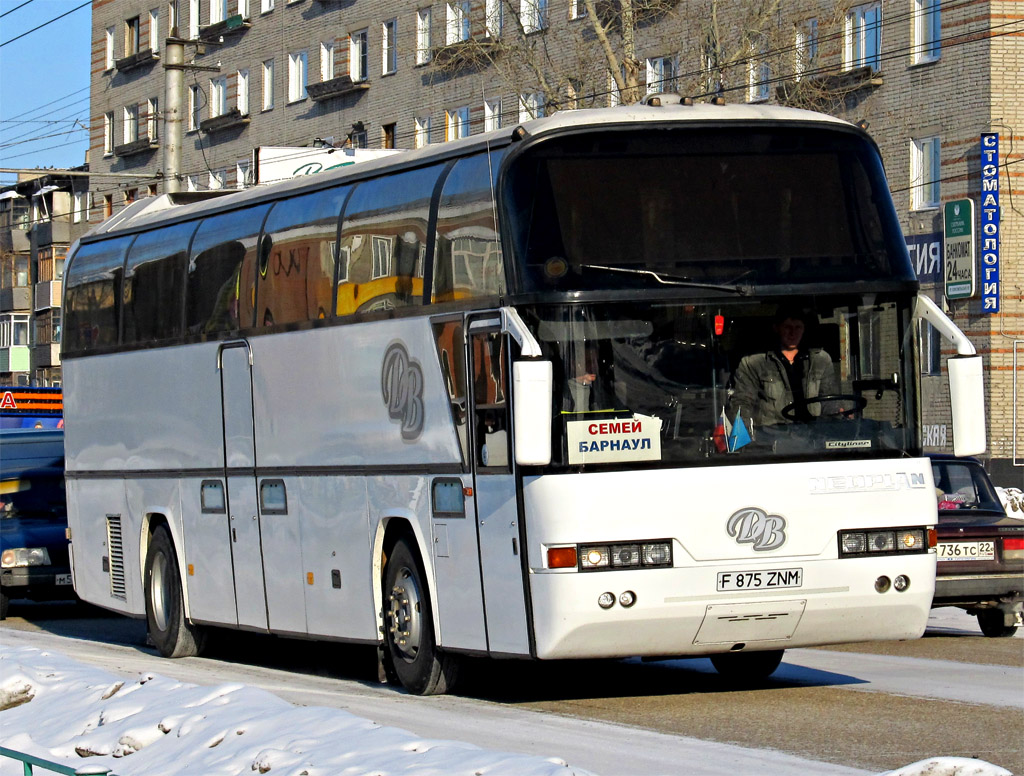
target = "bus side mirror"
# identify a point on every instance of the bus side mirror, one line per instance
(532, 385)
(967, 400)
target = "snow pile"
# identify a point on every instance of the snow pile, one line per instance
(949, 766)
(76, 715)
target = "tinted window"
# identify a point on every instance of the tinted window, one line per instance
(154, 284)
(467, 262)
(92, 300)
(296, 270)
(222, 272)
(383, 243)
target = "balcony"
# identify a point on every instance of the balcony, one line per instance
(139, 146)
(48, 294)
(14, 358)
(233, 118)
(15, 240)
(47, 354)
(474, 52)
(144, 57)
(47, 233)
(336, 87)
(230, 26)
(817, 91)
(14, 300)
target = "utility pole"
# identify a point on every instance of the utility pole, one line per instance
(174, 85)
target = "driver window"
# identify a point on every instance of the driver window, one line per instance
(490, 405)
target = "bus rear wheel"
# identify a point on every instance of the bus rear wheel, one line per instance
(411, 647)
(170, 632)
(747, 666)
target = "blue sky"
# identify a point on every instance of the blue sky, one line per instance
(44, 84)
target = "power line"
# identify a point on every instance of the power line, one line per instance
(44, 24)
(2, 15)
(47, 104)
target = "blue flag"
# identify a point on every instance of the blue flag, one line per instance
(738, 435)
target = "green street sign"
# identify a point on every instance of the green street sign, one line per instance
(958, 248)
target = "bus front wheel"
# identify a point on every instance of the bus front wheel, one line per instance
(747, 666)
(420, 666)
(170, 632)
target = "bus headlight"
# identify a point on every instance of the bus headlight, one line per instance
(25, 556)
(628, 555)
(883, 541)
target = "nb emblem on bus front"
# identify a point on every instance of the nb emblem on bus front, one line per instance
(755, 526)
(401, 387)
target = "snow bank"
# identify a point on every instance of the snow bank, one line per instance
(61, 710)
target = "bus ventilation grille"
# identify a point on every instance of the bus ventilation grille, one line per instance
(116, 548)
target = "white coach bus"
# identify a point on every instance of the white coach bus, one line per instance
(481, 399)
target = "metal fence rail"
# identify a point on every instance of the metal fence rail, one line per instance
(29, 762)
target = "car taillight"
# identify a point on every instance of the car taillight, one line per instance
(1013, 549)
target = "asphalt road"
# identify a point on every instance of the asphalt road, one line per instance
(873, 706)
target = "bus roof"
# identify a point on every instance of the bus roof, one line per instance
(152, 211)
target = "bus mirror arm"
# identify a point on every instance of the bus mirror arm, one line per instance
(513, 325)
(966, 382)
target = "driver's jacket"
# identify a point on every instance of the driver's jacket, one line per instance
(760, 388)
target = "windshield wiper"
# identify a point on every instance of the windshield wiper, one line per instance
(669, 280)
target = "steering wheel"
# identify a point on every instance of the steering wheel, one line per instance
(859, 403)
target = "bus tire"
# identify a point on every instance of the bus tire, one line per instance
(747, 666)
(169, 631)
(411, 647)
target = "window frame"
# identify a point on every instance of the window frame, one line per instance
(925, 173)
(388, 46)
(359, 55)
(268, 84)
(423, 40)
(857, 35)
(927, 32)
(298, 75)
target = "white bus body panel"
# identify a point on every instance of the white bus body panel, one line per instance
(679, 610)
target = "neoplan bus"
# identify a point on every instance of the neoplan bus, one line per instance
(348, 406)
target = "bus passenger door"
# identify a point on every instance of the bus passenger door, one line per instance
(235, 360)
(497, 512)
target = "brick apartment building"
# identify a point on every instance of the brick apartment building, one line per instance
(929, 78)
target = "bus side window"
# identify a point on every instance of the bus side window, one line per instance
(93, 304)
(490, 405)
(383, 241)
(296, 265)
(468, 261)
(221, 291)
(154, 284)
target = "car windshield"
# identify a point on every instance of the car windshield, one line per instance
(964, 485)
(32, 495)
(672, 383)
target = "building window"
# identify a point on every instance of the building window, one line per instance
(268, 84)
(193, 19)
(298, 70)
(927, 31)
(759, 75)
(242, 88)
(152, 119)
(925, 172)
(388, 140)
(80, 210)
(327, 60)
(422, 136)
(195, 105)
(173, 18)
(806, 49)
(457, 27)
(108, 133)
(614, 98)
(108, 205)
(422, 36)
(534, 15)
(154, 30)
(218, 96)
(108, 60)
(218, 178)
(130, 195)
(151, 190)
(266, 6)
(241, 173)
(131, 36)
(456, 124)
(531, 106)
(493, 18)
(863, 38)
(661, 74)
(191, 183)
(389, 51)
(243, 8)
(577, 9)
(218, 11)
(492, 114)
(13, 330)
(131, 124)
(358, 62)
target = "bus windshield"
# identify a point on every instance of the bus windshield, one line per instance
(675, 383)
(669, 208)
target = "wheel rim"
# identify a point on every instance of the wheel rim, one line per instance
(406, 616)
(159, 594)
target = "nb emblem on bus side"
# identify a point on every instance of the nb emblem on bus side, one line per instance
(401, 387)
(755, 526)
